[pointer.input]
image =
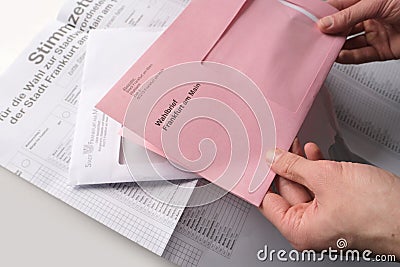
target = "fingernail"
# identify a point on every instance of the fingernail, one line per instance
(270, 156)
(278, 153)
(273, 155)
(326, 22)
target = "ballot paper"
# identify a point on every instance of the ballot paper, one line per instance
(230, 232)
(97, 154)
(367, 103)
(38, 107)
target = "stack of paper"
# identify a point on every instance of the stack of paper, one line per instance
(39, 111)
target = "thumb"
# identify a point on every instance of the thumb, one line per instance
(344, 20)
(297, 168)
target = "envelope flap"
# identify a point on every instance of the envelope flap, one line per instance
(199, 28)
(190, 38)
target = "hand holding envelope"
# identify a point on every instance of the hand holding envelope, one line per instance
(288, 60)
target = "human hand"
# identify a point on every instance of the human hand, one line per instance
(319, 202)
(379, 19)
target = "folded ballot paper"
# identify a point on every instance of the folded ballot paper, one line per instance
(217, 125)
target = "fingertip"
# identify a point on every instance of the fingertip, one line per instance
(296, 142)
(270, 156)
(273, 156)
(292, 192)
(313, 152)
(358, 56)
(296, 147)
(335, 24)
(312, 146)
(325, 24)
(278, 153)
(343, 58)
(296, 168)
(274, 207)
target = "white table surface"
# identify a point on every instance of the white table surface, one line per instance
(35, 228)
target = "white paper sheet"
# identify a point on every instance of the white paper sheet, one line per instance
(96, 150)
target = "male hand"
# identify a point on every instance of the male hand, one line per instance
(319, 202)
(379, 19)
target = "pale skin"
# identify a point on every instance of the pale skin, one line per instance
(318, 201)
(379, 19)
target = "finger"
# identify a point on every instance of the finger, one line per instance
(280, 213)
(295, 168)
(274, 207)
(313, 152)
(297, 148)
(378, 36)
(358, 56)
(294, 193)
(342, 4)
(355, 43)
(359, 28)
(347, 18)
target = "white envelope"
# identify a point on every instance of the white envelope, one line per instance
(96, 152)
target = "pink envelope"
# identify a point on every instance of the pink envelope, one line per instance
(277, 46)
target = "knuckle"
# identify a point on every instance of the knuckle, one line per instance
(345, 16)
(290, 165)
(384, 8)
(330, 169)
